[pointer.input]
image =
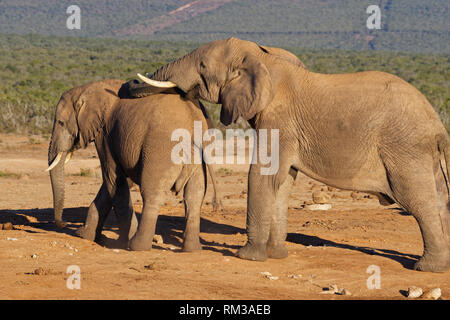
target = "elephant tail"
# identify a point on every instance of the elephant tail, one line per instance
(217, 200)
(444, 148)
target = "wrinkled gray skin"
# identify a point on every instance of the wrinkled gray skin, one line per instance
(133, 141)
(367, 131)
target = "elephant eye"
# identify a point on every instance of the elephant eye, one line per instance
(61, 123)
(202, 65)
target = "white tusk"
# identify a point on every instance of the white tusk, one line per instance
(55, 162)
(69, 156)
(158, 84)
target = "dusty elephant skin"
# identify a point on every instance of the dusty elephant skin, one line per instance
(133, 141)
(367, 131)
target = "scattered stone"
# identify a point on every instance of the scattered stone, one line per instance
(315, 186)
(414, 292)
(333, 289)
(40, 271)
(269, 276)
(345, 292)
(6, 226)
(11, 239)
(158, 239)
(116, 250)
(354, 195)
(308, 202)
(294, 276)
(433, 294)
(331, 189)
(316, 207)
(320, 197)
(33, 256)
(156, 266)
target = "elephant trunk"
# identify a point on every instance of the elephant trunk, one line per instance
(181, 71)
(57, 181)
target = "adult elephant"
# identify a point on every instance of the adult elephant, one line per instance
(367, 131)
(133, 138)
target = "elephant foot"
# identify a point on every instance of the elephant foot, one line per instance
(85, 233)
(254, 252)
(277, 251)
(190, 246)
(137, 244)
(60, 224)
(433, 264)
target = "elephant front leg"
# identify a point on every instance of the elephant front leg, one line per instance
(276, 246)
(260, 208)
(97, 213)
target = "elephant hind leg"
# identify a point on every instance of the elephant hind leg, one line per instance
(194, 193)
(415, 190)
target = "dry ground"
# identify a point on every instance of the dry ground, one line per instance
(325, 247)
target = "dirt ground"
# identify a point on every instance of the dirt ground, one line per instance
(325, 247)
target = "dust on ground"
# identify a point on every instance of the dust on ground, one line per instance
(333, 247)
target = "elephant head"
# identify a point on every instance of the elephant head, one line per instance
(230, 72)
(78, 119)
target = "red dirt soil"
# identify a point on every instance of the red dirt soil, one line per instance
(325, 247)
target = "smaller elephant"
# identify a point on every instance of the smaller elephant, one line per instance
(133, 142)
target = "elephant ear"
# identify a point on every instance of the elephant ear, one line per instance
(248, 92)
(89, 119)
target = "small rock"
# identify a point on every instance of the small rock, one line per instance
(115, 250)
(345, 292)
(320, 197)
(294, 276)
(269, 276)
(33, 256)
(40, 271)
(11, 239)
(158, 239)
(432, 294)
(316, 207)
(354, 195)
(315, 186)
(6, 226)
(414, 292)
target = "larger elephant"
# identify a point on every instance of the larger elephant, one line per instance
(133, 138)
(367, 131)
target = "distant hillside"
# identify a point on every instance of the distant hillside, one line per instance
(407, 25)
(36, 70)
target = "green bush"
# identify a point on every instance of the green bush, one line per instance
(36, 70)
